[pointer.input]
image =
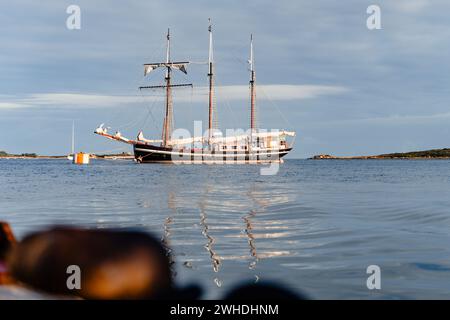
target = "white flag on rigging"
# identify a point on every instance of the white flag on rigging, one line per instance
(180, 67)
(150, 67)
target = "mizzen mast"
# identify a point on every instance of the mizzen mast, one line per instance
(210, 76)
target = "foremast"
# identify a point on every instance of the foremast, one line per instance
(168, 118)
(169, 65)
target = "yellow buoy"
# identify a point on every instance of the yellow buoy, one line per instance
(81, 158)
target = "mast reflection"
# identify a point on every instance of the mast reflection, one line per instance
(251, 238)
(171, 204)
(237, 212)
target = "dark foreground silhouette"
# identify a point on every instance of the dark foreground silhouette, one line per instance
(7, 242)
(112, 264)
(262, 291)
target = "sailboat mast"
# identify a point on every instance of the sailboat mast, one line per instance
(210, 75)
(169, 112)
(252, 88)
(73, 137)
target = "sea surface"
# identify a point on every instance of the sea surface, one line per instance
(315, 226)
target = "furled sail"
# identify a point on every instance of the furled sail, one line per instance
(175, 142)
(141, 137)
(229, 139)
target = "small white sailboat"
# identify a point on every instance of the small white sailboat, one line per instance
(71, 155)
(79, 157)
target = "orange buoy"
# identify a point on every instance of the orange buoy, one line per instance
(81, 158)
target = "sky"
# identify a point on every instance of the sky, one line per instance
(346, 90)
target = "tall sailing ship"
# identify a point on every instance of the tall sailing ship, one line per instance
(255, 146)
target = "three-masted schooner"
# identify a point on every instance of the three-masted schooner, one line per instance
(256, 146)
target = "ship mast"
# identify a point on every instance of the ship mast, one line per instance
(168, 119)
(252, 91)
(210, 76)
(169, 65)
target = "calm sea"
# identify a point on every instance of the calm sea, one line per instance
(315, 226)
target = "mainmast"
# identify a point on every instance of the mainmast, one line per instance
(168, 119)
(210, 75)
(252, 89)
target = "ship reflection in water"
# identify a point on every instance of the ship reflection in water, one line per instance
(212, 232)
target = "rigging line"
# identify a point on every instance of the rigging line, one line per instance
(241, 61)
(198, 62)
(160, 52)
(144, 122)
(129, 124)
(150, 109)
(260, 89)
(226, 101)
(145, 102)
(149, 114)
(236, 54)
(113, 116)
(155, 98)
(152, 56)
(133, 122)
(191, 101)
(275, 106)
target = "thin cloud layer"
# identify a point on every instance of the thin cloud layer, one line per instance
(275, 92)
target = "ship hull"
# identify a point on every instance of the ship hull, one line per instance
(145, 153)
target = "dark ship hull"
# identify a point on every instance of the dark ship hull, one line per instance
(146, 153)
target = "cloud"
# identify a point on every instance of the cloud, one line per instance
(411, 6)
(277, 92)
(283, 92)
(12, 105)
(394, 119)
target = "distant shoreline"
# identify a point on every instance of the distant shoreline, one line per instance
(28, 157)
(434, 154)
(121, 156)
(443, 154)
